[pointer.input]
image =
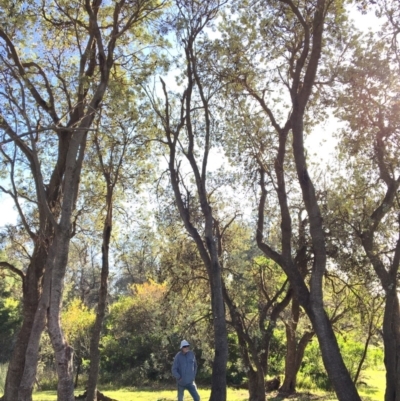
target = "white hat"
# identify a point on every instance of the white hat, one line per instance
(184, 343)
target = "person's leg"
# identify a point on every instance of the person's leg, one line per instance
(181, 389)
(193, 391)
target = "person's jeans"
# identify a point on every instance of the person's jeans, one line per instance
(191, 387)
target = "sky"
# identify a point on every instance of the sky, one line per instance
(321, 145)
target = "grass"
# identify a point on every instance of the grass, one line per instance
(3, 373)
(372, 390)
(147, 395)
(375, 385)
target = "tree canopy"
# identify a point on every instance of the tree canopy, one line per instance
(158, 156)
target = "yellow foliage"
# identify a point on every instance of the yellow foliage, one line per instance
(149, 292)
(77, 320)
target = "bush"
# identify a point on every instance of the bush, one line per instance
(312, 371)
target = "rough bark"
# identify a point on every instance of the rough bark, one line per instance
(293, 359)
(32, 288)
(256, 385)
(31, 355)
(291, 366)
(391, 341)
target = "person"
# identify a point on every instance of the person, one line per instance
(184, 370)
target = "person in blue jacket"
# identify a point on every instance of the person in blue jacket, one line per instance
(184, 370)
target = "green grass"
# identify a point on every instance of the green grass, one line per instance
(372, 391)
(3, 373)
(148, 395)
(375, 389)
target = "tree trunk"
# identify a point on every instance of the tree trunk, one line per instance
(91, 394)
(32, 350)
(63, 352)
(332, 358)
(32, 290)
(364, 354)
(256, 378)
(391, 340)
(77, 373)
(218, 378)
(294, 351)
(31, 294)
(337, 372)
(256, 385)
(289, 384)
(294, 357)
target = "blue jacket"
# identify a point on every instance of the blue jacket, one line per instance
(184, 368)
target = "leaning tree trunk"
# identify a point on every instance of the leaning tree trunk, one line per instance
(332, 358)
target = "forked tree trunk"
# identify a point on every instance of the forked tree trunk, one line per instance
(33, 286)
(294, 350)
(294, 353)
(289, 384)
(206, 244)
(255, 374)
(332, 358)
(32, 351)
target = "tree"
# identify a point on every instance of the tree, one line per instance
(367, 204)
(187, 125)
(113, 152)
(48, 107)
(272, 55)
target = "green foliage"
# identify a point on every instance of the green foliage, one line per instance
(312, 371)
(236, 373)
(135, 348)
(276, 362)
(10, 318)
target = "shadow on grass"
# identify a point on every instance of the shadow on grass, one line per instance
(299, 397)
(370, 390)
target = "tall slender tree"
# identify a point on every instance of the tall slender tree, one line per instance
(188, 128)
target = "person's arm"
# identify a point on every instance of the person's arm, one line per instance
(175, 369)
